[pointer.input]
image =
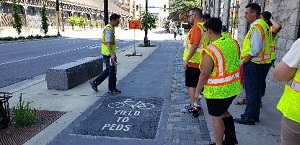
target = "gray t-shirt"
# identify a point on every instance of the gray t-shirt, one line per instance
(108, 35)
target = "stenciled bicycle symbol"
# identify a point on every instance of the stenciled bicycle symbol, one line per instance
(132, 104)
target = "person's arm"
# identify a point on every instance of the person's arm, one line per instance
(276, 26)
(256, 43)
(286, 69)
(206, 69)
(283, 73)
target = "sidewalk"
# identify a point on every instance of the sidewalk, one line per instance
(156, 76)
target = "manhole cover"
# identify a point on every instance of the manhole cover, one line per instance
(123, 117)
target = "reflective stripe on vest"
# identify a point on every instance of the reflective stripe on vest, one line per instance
(294, 85)
(290, 99)
(272, 47)
(203, 43)
(263, 56)
(224, 80)
(221, 77)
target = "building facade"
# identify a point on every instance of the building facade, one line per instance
(30, 12)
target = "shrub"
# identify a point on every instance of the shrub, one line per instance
(17, 23)
(23, 115)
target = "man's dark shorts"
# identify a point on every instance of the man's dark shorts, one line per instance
(191, 76)
(217, 107)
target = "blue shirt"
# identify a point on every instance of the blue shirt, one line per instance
(255, 41)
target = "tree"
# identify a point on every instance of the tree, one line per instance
(182, 7)
(148, 22)
(44, 19)
(72, 21)
(17, 23)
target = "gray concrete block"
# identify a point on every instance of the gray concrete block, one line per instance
(71, 74)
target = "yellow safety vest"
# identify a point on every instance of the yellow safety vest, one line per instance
(203, 43)
(272, 44)
(289, 103)
(264, 55)
(104, 46)
(225, 80)
(226, 35)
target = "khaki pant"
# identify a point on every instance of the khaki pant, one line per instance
(290, 132)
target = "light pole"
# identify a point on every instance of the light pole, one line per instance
(57, 16)
(146, 30)
(62, 17)
(105, 12)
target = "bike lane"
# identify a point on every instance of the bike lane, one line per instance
(146, 112)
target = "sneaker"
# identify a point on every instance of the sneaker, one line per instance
(114, 91)
(94, 86)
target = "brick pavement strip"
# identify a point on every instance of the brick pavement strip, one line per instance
(182, 129)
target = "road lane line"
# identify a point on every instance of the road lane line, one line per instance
(45, 55)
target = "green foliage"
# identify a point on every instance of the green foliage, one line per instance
(23, 115)
(148, 21)
(17, 23)
(234, 23)
(81, 21)
(9, 38)
(72, 21)
(44, 19)
(97, 24)
(182, 7)
(92, 24)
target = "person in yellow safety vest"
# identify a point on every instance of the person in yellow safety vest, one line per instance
(288, 71)
(274, 28)
(220, 77)
(108, 50)
(256, 61)
(196, 40)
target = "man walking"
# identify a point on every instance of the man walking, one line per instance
(196, 40)
(256, 62)
(220, 77)
(109, 56)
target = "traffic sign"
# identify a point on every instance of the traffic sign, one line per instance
(134, 24)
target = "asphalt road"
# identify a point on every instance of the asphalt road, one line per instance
(24, 60)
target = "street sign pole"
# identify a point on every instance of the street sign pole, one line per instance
(134, 24)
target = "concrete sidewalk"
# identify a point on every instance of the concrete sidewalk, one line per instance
(175, 128)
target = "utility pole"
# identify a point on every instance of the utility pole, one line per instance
(146, 31)
(62, 17)
(105, 12)
(57, 16)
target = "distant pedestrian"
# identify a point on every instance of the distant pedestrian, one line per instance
(109, 56)
(196, 39)
(288, 71)
(220, 77)
(256, 61)
(175, 31)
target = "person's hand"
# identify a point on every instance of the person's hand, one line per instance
(185, 65)
(113, 58)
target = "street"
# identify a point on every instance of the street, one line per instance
(23, 60)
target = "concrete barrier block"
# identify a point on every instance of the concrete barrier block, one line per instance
(69, 75)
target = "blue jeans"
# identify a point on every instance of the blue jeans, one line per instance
(110, 72)
(255, 85)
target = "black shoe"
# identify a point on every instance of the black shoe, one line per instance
(94, 86)
(114, 91)
(229, 143)
(256, 119)
(244, 120)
